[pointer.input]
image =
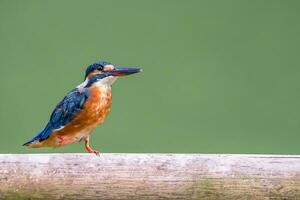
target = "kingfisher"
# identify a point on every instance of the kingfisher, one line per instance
(82, 109)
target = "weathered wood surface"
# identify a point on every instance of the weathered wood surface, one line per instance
(149, 176)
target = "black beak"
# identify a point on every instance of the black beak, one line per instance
(123, 71)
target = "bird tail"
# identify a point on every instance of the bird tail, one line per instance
(42, 135)
(29, 143)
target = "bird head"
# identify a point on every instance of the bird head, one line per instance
(106, 73)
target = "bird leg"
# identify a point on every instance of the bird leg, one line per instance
(88, 148)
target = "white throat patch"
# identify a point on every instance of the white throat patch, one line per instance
(106, 82)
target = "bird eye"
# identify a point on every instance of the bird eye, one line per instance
(100, 67)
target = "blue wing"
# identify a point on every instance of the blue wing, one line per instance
(68, 108)
(63, 113)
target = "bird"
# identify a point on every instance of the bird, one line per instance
(82, 109)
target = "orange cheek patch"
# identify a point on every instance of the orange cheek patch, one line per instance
(109, 67)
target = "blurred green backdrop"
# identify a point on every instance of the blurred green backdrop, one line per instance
(219, 76)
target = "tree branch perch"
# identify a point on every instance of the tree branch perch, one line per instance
(149, 176)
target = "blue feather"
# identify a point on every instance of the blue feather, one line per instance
(45, 132)
(63, 113)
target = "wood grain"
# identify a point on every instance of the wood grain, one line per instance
(149, 176)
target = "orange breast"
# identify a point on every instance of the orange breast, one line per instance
(95, 109)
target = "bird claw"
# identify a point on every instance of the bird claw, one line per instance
(90, 150)
(97, 153)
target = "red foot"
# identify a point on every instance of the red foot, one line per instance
(90, 150)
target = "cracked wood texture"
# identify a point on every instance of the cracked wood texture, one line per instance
(149, 176)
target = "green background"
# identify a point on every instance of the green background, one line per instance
(219, 76)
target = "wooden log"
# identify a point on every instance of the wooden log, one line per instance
(149, 176)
